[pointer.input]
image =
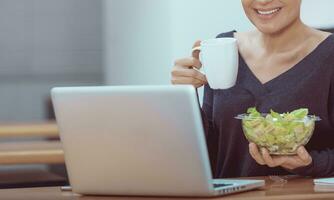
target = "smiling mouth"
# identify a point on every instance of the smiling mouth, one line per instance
(268, 13)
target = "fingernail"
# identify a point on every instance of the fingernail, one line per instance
(263, 151)
(250, 148)
(301, 151)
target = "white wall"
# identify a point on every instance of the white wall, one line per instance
(198, 19)
(143, 37)
(44, 43)
(318, 13)
(137, 41)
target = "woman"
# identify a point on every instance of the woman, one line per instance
(284, 65)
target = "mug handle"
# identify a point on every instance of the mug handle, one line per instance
(199, 48)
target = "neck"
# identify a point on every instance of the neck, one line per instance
(285, 39)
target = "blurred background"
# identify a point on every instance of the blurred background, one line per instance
(48, 43)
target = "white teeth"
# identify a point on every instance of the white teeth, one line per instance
(268, 12)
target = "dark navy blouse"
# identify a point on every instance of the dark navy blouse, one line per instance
(309, 84)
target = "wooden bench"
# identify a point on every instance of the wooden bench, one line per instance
(47, 129)
(31, 152)
(23, 147)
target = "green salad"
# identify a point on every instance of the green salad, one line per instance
(281, 134)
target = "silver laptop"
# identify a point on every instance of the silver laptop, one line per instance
(137, 140)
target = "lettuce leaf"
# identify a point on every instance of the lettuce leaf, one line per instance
(279, 133)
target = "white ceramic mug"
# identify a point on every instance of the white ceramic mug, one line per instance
(220, 60)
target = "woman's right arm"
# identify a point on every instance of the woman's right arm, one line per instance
(186, 71)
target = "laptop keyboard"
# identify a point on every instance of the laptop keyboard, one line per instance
(221, 185)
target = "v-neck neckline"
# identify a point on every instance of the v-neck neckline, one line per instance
(295, 69)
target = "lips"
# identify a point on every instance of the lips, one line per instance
(268, 13)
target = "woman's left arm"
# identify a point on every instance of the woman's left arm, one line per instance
(314, 163)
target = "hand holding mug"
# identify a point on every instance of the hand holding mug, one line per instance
(186, 70)
(220, 59)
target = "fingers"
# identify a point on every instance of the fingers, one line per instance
(195, 54)
(302, 159)
(254, 152)
(263, 157)
(188, 63)
(304, 156)
(192, 73)
(289, 162)
(267, 158)
(184, 73)
(185, 70)
(197, 43)
(187, 80)
(272, 161)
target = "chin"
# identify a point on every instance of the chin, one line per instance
(270, 28)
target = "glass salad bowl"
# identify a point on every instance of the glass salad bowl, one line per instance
(281, 134)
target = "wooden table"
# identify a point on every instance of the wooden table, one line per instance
(294, 189)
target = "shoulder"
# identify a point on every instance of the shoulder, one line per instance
(320, 44)
(329, 62)
(321, 35)
(317, 38)
(331, 56)
(244, 39)
(329, 47)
